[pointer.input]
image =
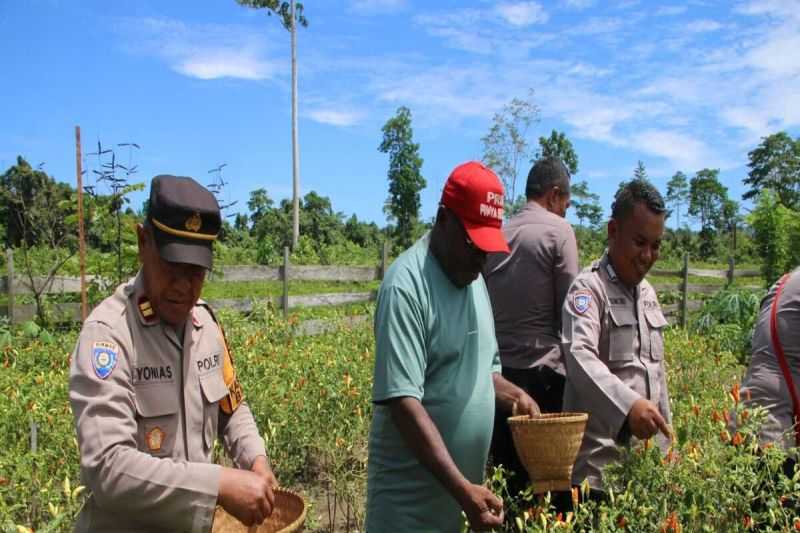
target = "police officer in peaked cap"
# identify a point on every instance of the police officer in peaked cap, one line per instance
(152, 385)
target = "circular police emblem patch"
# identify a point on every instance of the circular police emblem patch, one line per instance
(104, 358)
(581, 301)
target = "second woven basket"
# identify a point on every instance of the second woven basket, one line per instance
(547, 446)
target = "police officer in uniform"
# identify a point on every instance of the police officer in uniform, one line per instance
(152, 386)
(612, 338)
(765, 384)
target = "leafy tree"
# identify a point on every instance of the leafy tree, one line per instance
(38, 215)
(776, 232)
(678, 194)
(775, 164)
(282, 9)
(558, 146)
(587, 204)
(707, 197)
(640, 173)
(405, 176)
(505, 146)
(259, 205)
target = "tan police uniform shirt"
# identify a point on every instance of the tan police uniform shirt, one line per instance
(528, 286)
(764, 381)
(146, 407)
(614, 351)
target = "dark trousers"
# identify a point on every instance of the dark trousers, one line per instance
(544, 385)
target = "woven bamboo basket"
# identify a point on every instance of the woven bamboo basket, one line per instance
(547, 446)
(288, 516)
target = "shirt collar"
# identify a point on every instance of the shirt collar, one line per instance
(141, 304)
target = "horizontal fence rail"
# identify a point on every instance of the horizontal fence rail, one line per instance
(286, 273)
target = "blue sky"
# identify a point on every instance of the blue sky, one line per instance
(678, 85)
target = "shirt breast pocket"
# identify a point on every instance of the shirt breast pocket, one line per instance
(621, 335)
(656, 324)
(214, 389)
(157, 419)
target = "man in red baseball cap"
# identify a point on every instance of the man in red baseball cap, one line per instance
(437, 370)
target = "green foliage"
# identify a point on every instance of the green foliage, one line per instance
(586, 204)
(324, 236)
(279, 8)
(505, 147)
(775, 164)
(640, 173)
(678, 194)
(560, 147)
(728, 317)
(776, 232)
(710, 480)
(405, 177)
(707, 197)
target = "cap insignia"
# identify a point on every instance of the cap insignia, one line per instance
(194, 222)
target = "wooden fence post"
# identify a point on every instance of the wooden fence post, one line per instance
(34, 437)
(285, 276)
(10, 282)
(731, 267)
(384, 258)
(685, 291)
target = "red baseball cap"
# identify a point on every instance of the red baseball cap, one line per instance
(474, 193)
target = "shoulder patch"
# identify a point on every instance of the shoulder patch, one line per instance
(581, 301)
(104, 358)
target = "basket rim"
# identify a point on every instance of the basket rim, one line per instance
(295, 524)
(549, 418)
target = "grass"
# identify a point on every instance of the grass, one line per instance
(244, 289)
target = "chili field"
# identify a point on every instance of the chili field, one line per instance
(310, 396)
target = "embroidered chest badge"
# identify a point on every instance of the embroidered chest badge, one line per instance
(154, 439)
(581, 301)
(104, 358)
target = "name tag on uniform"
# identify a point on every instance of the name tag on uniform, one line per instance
(206, 364)
(153, 374)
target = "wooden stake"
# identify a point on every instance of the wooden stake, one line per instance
(285, 299)
(685, 291)
(10, 278)
(81, 236)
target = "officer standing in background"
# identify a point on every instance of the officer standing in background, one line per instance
(773, 375)
(612, 332)
(527, 288)
(152, 385)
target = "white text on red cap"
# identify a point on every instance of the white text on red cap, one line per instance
(493, 206)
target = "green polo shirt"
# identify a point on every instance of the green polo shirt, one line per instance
(434, 342)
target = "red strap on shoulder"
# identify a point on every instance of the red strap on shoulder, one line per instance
(778, 347)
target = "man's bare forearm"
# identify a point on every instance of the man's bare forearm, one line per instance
(423, 438)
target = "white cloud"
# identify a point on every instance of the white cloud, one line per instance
(578, 4)
(703, 26)
(588, 71)
(777, 8)
(335, 117)
(598, 25)
(202, 51)
(681, 150)
(670, 11)
(371, 7)
(779, 54)
(521, 14)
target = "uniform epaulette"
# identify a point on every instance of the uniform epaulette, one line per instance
(146, 309)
